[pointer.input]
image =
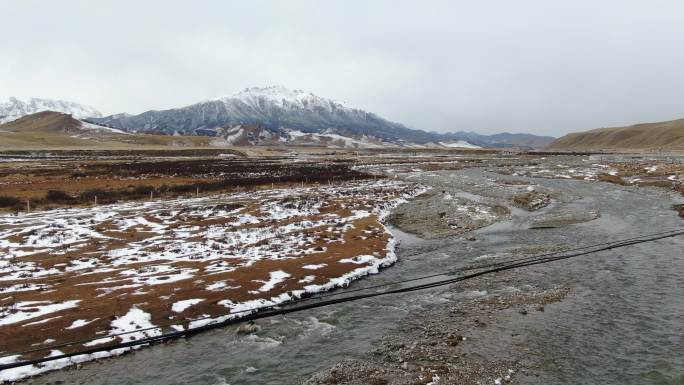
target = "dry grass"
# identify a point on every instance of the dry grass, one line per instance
(188, 249)
(112, 181)
(657, 136)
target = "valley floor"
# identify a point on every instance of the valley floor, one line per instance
(143, 267)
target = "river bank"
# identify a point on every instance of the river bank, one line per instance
(577, 321)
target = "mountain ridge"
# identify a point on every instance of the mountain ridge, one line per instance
(279, 111)
(276, 108)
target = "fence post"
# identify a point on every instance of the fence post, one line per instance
(28, 206)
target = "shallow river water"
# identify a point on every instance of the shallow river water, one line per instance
(622, 324)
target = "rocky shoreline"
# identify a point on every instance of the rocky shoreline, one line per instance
(479, 333)
(444, 344)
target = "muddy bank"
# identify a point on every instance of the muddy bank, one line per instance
(459, 203)
(438, 214)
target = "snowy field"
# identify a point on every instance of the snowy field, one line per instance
(92, 273)
(584, 172)
(641, 173)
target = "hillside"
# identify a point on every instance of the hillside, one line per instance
(648, 136)
(56, 122)
(50, 129)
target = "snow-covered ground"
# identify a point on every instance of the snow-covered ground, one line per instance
(177, 264)
(628, 173)
(590, 171)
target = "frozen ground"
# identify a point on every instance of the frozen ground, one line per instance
(96, 272)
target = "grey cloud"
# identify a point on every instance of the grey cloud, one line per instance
(545, 67)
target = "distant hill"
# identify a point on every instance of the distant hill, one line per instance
(50, 129)
(14, 108)
(55, 122)
(652, 136)
(506, 140)
(280, 110)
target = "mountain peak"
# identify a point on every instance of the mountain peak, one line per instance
(275, 93)
(283, 97)
(275, 90)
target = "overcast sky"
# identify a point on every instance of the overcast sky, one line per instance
(547, 67)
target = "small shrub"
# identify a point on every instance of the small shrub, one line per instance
(103, 196)
(183, 188)
(58, 196)
(143, 190)
(6, 201)
(92, 193)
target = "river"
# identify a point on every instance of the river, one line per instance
(622, 323)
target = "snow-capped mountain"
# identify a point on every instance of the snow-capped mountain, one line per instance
(279, 110)
(14, 108)
(273, 108)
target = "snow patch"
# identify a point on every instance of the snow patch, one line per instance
(33, 309)
(276, 278)
(180, 306)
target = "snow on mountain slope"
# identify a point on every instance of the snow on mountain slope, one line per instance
(273, 108)
(243, 135)
(459, 144)
(94, 127)
(14, 108)
(284, 98)
(335, 140)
